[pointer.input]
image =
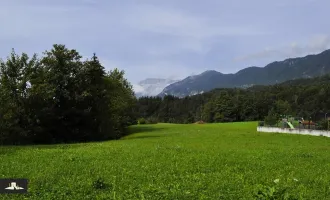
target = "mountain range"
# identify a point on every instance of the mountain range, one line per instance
(275, 72)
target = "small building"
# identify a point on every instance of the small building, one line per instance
(307, 124)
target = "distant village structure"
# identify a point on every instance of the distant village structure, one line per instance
(293, 125)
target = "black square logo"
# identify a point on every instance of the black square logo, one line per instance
(15, 186)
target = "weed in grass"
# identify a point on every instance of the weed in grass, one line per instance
(274, 192)
(99, 183)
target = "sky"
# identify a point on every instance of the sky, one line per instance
(168, 38)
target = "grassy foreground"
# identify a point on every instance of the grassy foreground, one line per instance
(166, 161)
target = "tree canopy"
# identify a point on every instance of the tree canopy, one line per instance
(62, 98)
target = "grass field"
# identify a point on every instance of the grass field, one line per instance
(166, 161)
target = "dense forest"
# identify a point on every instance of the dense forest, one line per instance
(308, 98)
(62, 98)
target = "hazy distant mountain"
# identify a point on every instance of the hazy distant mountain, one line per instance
(152, 86)
(276, 72)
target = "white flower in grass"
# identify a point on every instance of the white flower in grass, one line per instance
(276, 180)
(295, 179)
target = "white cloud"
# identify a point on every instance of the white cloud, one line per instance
(177, 23)
(161, 39)
(316, 44)
(137, 88)
(156, 69)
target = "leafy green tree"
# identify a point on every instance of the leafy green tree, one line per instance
(208, 113)
(272, 118)
(121, 101)
(218, 117)
(15, 114)
(60, 98)
(282, 107)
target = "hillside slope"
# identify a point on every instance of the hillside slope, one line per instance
(275, 72)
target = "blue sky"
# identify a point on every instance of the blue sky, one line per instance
(169, 38)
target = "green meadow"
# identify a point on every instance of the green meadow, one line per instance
(168, 161)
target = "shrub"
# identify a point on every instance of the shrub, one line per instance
(261, 123)
(152, 120)
(272, 118)
(323, 125)
(142, 121)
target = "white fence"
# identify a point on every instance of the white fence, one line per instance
(293, 131)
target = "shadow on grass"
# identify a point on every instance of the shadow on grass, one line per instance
(7, 151)
(144, 129)
(142, 137)
(76, 144)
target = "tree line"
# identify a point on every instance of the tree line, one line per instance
(62, 98)
(308, 98)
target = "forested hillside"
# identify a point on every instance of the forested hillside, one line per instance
(275, 72)
(62, 98)
(302, 97)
